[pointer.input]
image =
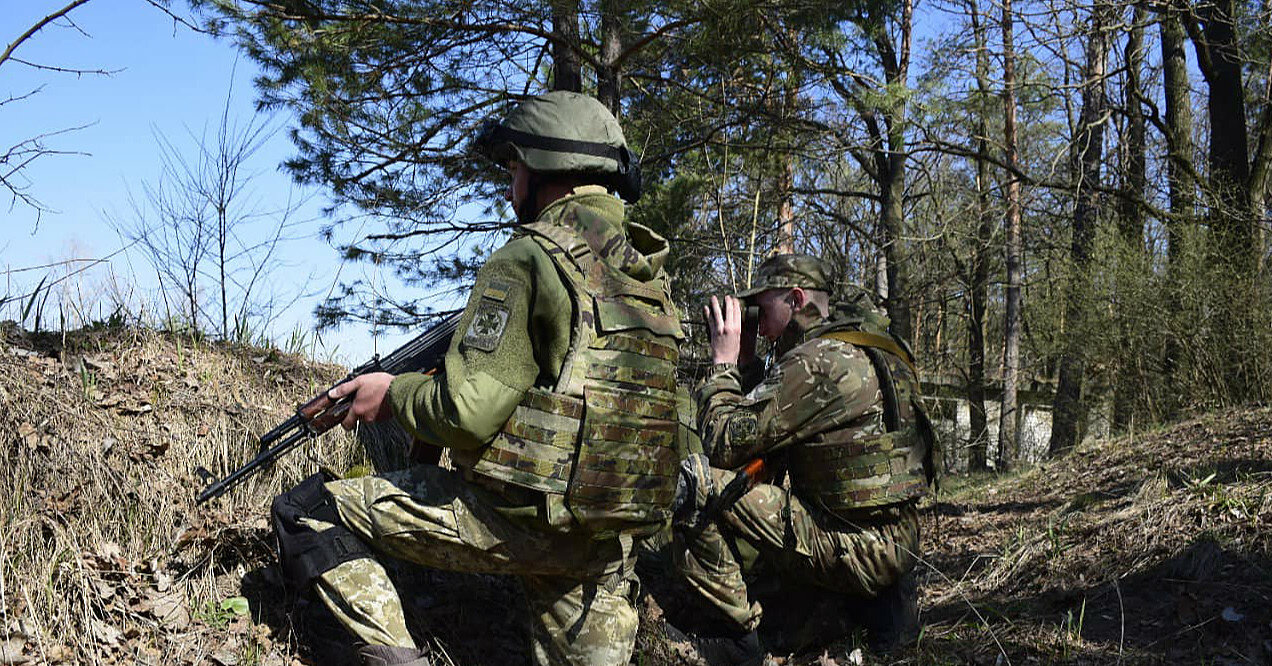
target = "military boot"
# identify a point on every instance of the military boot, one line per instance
(739, 649)
(891, 620)
(381, 655)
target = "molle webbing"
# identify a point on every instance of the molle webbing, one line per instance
(626, 448)
(871, 471)
(535, 448)
(850, 469)
(605, 436)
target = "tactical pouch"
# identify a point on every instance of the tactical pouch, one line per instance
(535, 448)
(624, 473)
(304, 553)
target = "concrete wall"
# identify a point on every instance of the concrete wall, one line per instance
(952, 418)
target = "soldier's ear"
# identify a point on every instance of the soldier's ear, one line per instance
(797, 298)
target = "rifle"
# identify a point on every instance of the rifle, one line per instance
(422, 354)
(744, 480)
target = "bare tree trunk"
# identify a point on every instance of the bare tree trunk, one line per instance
(896, 65)
(1135, 179)
(222, 261)
(1131, 214)
(881, 275)
(1008, 432)
(566, 73)
(892, 220)
(1183, 192)
(978, 270)
(1231, 220)
(1220, 63)
(786, 211)
(1068, 408)
(609, 79)
(1261, 167)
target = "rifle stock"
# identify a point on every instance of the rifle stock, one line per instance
(424, 353)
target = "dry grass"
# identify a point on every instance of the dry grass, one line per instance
(1148, 549)
(1154, 548)
(106, 557)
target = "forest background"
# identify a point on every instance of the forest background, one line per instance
(1072, 195)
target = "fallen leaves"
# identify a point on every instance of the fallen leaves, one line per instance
(169, 608)
(11, 651)
(106, 634)
(34, 439)
(125, 404)
(59, 653)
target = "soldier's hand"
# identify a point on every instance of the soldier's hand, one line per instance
(724, 323)
(369, 403)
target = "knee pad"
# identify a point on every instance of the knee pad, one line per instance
(304, 553)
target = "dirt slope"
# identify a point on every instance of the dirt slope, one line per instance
(106, 558)
(1153, 548)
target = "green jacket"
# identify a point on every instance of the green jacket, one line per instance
(526, 313)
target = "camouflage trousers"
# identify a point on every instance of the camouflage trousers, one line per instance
(803, 545)
(580, 592)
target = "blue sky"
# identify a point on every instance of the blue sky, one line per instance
(169, 80)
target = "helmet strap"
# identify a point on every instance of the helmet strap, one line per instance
(528, 211)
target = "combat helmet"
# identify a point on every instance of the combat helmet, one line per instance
(564, 132)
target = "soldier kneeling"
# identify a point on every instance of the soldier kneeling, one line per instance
(839, 410)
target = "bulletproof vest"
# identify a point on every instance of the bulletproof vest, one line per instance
(605, 435)
(858, 466)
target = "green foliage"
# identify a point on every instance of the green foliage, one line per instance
(219, 614)
(712, 95)
(774, 125)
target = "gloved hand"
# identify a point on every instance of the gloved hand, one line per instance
(694, 489)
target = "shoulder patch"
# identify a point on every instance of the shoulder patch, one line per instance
(742, 428)
(491, 318)
(496, 291)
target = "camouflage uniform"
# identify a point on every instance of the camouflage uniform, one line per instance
(820, 389)
(513, 340)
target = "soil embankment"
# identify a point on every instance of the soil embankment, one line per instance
(1150, 548)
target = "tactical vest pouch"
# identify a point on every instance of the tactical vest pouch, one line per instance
(864, 473)
(535, 448)
(616, 313)
(623, 477)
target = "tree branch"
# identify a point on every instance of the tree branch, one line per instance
(38, 26)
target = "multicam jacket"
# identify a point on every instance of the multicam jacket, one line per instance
(821, 406)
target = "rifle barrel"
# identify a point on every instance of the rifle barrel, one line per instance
(263, 458)
(423, 353)
(281, 429)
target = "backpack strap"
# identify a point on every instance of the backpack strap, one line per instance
(871, 343)
(864, 339)
(887, 389)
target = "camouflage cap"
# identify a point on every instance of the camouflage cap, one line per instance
(784, 271)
